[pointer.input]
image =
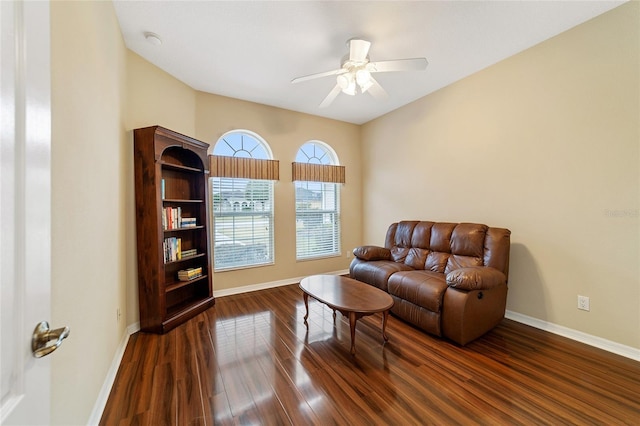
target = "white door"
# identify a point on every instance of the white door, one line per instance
(25, 212)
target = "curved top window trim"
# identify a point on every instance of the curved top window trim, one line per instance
(313, 158)
(242, 132)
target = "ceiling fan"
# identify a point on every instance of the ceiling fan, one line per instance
(356, 72)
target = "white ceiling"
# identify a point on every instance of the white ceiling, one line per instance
(251, 50)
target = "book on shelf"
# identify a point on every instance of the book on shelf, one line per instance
(171, 218)
(189, 274)
(172, 249)
(162, 189)
(188, 253)
(187, 222)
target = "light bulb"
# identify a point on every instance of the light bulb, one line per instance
(363, 77)
(347, 83)
(351, 90)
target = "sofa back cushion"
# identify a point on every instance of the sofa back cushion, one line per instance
(497, 245)
(444, 247)
(467, 246)
(398, 240)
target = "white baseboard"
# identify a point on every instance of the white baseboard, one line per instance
(103, 396)
(264, 286)
(598, 342)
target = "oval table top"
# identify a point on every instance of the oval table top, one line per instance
(346, 294)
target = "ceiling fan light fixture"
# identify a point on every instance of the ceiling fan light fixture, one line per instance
(347, 83)
(351, 89)
(363, 78)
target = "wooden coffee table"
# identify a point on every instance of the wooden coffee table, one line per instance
(352, 298)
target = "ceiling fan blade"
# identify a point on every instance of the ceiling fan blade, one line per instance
(358, 50)
(376, 90)
(318, 75)
(413, 64)
(331, 96)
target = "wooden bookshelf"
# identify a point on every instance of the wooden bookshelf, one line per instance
(171, 171)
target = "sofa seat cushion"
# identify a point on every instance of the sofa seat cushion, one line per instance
(416, 315)
(422, 288)
(376, 272)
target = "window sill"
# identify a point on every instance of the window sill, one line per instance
(238, 268)
(319, 257)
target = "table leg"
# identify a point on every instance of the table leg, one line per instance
(352, 324)
(305, 296)
(385, 315)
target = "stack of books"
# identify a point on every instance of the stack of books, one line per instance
(187, 253)
(189, 274)
(187, 222)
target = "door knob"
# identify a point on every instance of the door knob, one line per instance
(45, 340)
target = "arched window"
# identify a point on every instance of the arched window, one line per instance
(317, 204)
(242, 206)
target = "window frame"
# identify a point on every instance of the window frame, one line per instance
(327, 160)
(218, 215)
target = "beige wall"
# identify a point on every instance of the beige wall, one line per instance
(545, 143)
(156, 98)
(153, 98)
(89, 148)
(285, 132)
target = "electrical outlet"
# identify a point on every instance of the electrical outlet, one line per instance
(583, 303)
(349, 254)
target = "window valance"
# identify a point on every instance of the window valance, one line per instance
(244, 168)
(318, 173)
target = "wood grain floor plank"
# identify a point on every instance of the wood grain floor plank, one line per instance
(315, 396)
(251, 360)
(164, 402)
(190, 405)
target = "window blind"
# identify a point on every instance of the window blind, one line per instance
(243, 222)
(317, 219)
(243, 210)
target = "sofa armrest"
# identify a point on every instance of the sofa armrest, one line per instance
(372, 253)
(476, 278)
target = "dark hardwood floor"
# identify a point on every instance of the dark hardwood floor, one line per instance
(251, 360)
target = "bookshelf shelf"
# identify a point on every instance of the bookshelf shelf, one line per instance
(181, 312)
(182, 201)
(180, 167)
(190, 228)
(171, 172)
(183, 260)
(179, 284)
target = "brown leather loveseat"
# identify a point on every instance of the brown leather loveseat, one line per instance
(449, 279)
